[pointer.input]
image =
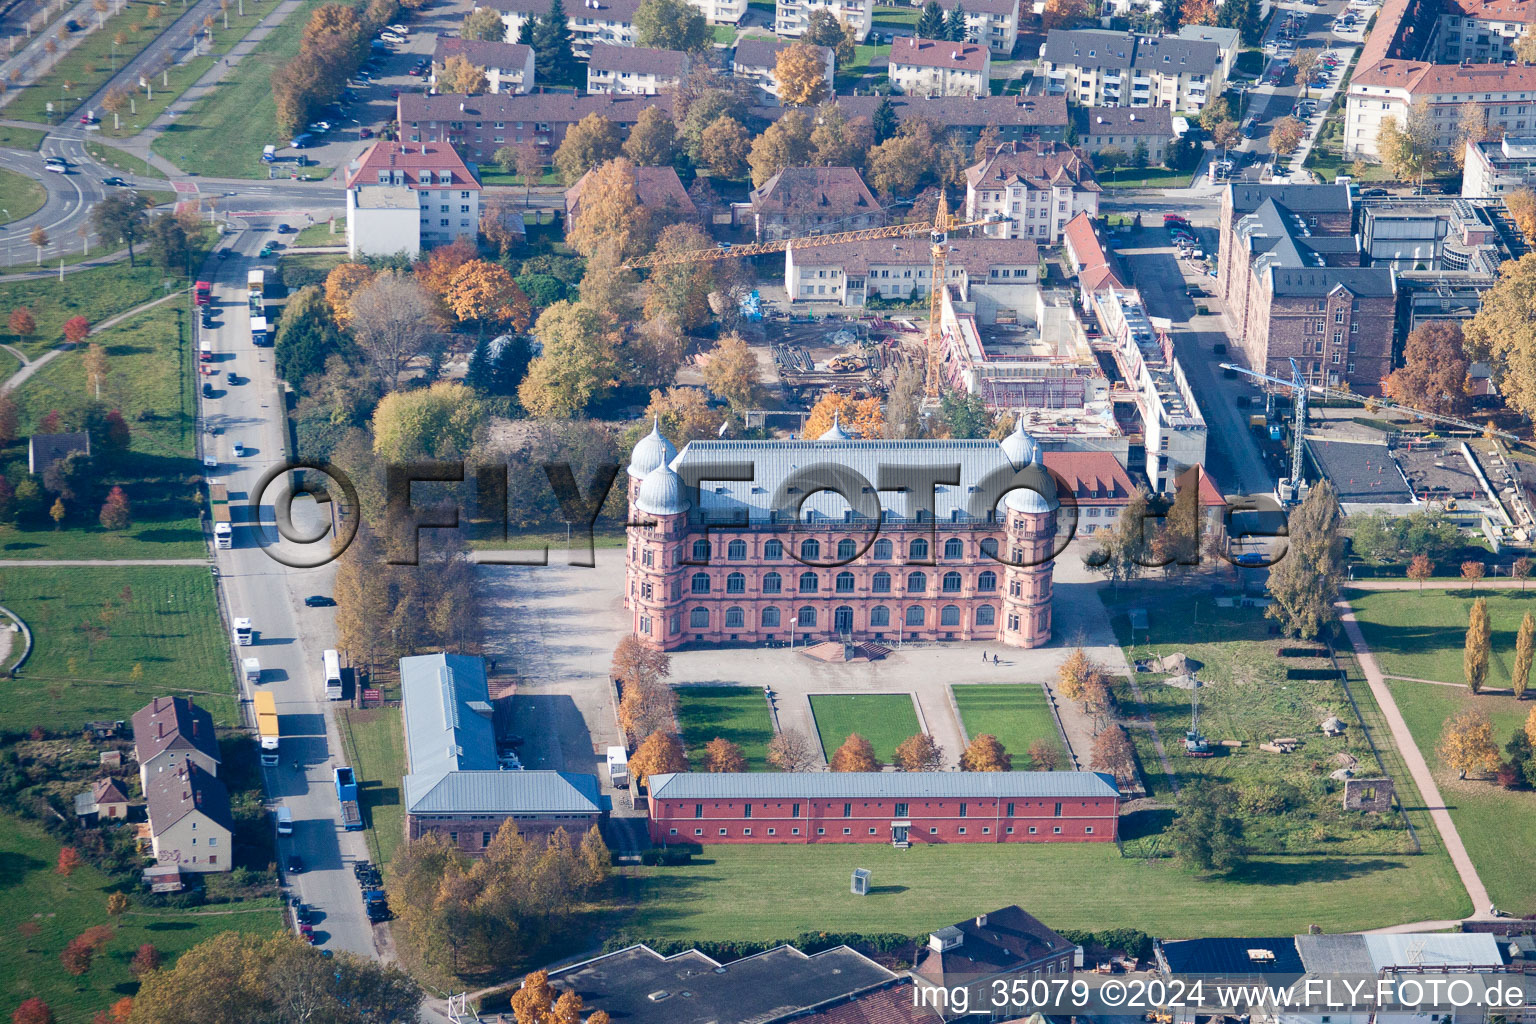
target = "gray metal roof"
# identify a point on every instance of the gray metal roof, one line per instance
(1377, 282)
(447, 708)
(876, 785)
(1433, 949)
(504, 792)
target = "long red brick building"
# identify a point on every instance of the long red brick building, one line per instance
(901, 808)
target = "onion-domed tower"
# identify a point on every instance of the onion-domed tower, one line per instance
(1029, 537)
(658, 532)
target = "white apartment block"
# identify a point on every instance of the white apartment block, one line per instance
(508, 66)
(793, 17)
(1481, 30)
(1033, 189)
(990, 23)
(634, 70)
(721, 12)
(758, 60)
(1494, 168)
(1095, 68)
(928, 67)
(590, 21)
(1506, 92)
(394, 185)
(849, 273)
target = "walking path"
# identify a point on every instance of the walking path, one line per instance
(31, 366)
(1417, 767)
(1440, 584)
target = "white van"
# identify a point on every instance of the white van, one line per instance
(284, 821)
(56, 164)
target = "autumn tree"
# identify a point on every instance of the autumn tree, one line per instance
(785, 143)
(652, 141)
(77, 956)
(680, 290)
(856, 754)
(801, 75)
(116, 514)
(460, 75)
(860, 417)
(341, 285)
(1063, 13)
(21, 323)
(69, 859)
(824, 29)
(1407, 145)
(484, 293)
(1433, 376)
(1525, 651)
(32, 1011)
(1466, 743)
(393, 319)
(721, 755)
(1074, 673)
(1520, 569)
(685, 414)
(579, 363)
(838, 140)
(907, 159)
(919, 753)
(723, 147)
(1304, 585)
(426, 423)
(589, 142)
(671, 25)
(790, 751)
(485, 25)
(1474, 658)
(654, 353)
(1471, 128)
(659, 754)
(610, 210)
(1303, 62)
(1197, 12)
(145, 960)
(732, 372)
(1472, 571)
(1044, 755)
(1503, 333)
(1421, 569)
(1521, 204)
(1286, 135)
(986, 754)
(1113, 753)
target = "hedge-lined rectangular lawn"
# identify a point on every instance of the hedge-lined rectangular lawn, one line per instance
(1016, 713)
(735, 713)
(885, 719)
(1420, 633)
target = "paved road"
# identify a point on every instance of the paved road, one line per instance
(256, 586)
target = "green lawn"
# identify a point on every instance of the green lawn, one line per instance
(223, 132)
(96, 294)
(59, 908)
(735, 713)
(1016, 713)
(90, 63)
(885, 719)
(1495, 824)
(20, 196)
(119, 161)
(888, 18)
(320, 234)
(161, 619)
(1420, 634)
(9, 364)
(731, 893)
(20, 138)
(374, 742)
(1146, 177)
(866, 70)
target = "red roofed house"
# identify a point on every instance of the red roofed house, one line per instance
(813, 201)
(936, 67)
(1101, 488)
(406, 196)
(659, 189)
(1037, 186)
(1093, 261)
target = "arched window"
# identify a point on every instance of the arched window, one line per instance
(807, 617)
(773, 583)
(917, 551)
(845, 583)
(736, 551)
(985, 615)
(915, 615)
(989, 547)
(882, 551)
(735, 618)
(954, 548)
(881, 583)
(847, 550)
(917, 582)
(809, 583)
(770, 618)
(700, 583)
(810, 550)
(949, 615)
(879, 615)
(986, 582)
(774, 550)
(736, 583)
(701, 551)
(699, 618)
(952, 583)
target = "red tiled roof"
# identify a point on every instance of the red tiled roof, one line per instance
(894, 1005)
(1097, 265)
(1039, 164)
(1523, 11)
(1092, 476)
(930, 53)
(413, 159)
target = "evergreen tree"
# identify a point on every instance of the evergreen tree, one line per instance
(1242, 15)
(525, 32)
(883, 121)
(954, 26)
(931, 24)
(1168, 16)
(554, 61)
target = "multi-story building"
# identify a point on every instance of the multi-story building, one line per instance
(170, 732)
(1290, 271)
(403, 196)
(477, 126)
(590, 21)
(930, 67)
(1493, 168)
(508, 66)
(1229, 43)
(839, 538)
(1481, 31)
(851, 273)
(1012, 118)
(1126, 129)
(1096, 68)
(1033, 187)
(800, 201)
(990, 23)
(793, 17)
(721, 12)
(634, 70)
(758, 60)
(988, 953)
(190, 824)
(899, 808)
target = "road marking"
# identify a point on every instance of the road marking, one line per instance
(189, 187)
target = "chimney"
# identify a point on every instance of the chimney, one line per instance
(461, 108)
(981, 920)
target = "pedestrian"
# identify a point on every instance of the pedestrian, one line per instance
(994, 659)
(983, 657)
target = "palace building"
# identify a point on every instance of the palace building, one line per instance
(838, 538)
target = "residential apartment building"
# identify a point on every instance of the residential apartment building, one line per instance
(928, 67)
(1493, 168)
(988, 953)
(477, 126)
(634, 70)
(1022, 118)
(1126, 128)
(990, 23)
(590, 21)
(1034, 187)
(758, 60)
(169, 732)
(1290, 272)
(1482, 30)
(508, 66)
(190, 822)
(1095, 68)
(851, 273)
(801, 201)
(403, 196)
(793, 17)
(1229, 43)
(721, 12)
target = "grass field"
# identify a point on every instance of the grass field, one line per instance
(320, 234)
(161, 635)
(735, 713)
(32, 894)
(768, 892)
(20, 196)
(20, 138)
(95, 294)
(866, 70)
(223, 132)
(374, 742)
(888, 18)
(1017, 714)
(885, 719)
(1494, 823)
(119, 161)
(90, 63)
(1146, 177)
(1420, 633)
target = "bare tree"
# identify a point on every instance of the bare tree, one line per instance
(393, 318)
(790, 751)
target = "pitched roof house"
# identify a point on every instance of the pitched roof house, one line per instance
(508, 66)
(1034, 187)
(933, 67)
(659, 190)
(169, 732)
(634, 70)
(801, 201)
(991, 945)
(43, 450)
(189, 819)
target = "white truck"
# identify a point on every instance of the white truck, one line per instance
(618, 767)
(243, 634)
(258, 331)
(252, 669)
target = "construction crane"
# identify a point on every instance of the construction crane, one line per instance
(938, 234)
(1301, 390)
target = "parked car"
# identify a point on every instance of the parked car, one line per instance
(232, 378)
(400, 29)
(207, 390)
(365, 133)
(319, 601)
(239, 450)
(72, 25)
(284, 229)
(295, 862)
(116, 182)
